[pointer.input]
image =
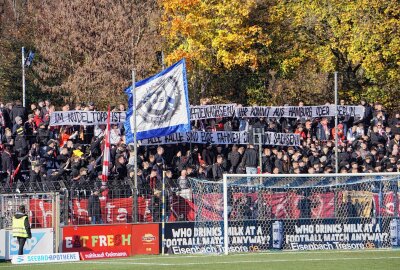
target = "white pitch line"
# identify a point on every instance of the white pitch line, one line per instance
(284, 252)
(234, 262)
(156, 257)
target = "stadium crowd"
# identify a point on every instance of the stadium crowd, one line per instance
(39, 157)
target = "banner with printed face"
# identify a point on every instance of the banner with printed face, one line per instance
(100, 238)
(224, 137)
(212, 111)
(299, 111)
(85, 118)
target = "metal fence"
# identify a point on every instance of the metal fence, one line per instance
(43, 210)
(118, 203)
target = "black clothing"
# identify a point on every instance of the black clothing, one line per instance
(217, 171)
(94, 208)
(21, 244)
(250, 158)
(20, 111)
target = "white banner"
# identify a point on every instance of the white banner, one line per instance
(299, 112)
(41, 242)
(224, 137)
(46, 258)
(3, 242)
(212, 111)
(85, 118)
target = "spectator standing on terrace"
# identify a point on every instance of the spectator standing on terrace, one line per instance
(21, 228)
(249, 160)
(18, 111)
(368, 114)
(323, 132)
(94, 209)
(234, 159)
(218, 169)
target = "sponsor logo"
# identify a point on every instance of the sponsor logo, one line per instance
(29, 245)
(95, 255)
(46, 258)
(148, 238)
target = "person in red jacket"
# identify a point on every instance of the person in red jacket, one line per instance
(341, 135)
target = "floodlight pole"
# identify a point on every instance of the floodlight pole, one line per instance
(336, 125)
(135, 194)
(23, 77)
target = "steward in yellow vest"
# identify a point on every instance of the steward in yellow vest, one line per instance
(21, 228)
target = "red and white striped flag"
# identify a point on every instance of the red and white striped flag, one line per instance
(106, 151)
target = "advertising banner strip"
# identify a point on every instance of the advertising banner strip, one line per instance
(3, 242)
(145, 239)
(45, 258)
(103, 238)
(38, 244)
(97, 255)
(109, 241)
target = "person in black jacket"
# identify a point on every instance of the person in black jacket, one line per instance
(20, 111)
(234, 158)
(249, 160)
(94, 208)
(7, 165)
(218, 168)
(304, 205)
(43, 135)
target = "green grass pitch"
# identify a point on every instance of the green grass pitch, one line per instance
(313, 260)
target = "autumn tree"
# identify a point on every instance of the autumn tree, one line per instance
(217, 38)
(15, 32)
(360, 39)
(88, 48)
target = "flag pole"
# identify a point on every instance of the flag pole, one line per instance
(23, 77)
(135, 194)
(162, 60)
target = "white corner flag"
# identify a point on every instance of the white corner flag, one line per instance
(161, 103)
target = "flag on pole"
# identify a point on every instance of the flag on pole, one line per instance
(106, 151)
(161, 104)
(29, 59)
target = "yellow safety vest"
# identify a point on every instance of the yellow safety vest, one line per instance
(18, 226)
